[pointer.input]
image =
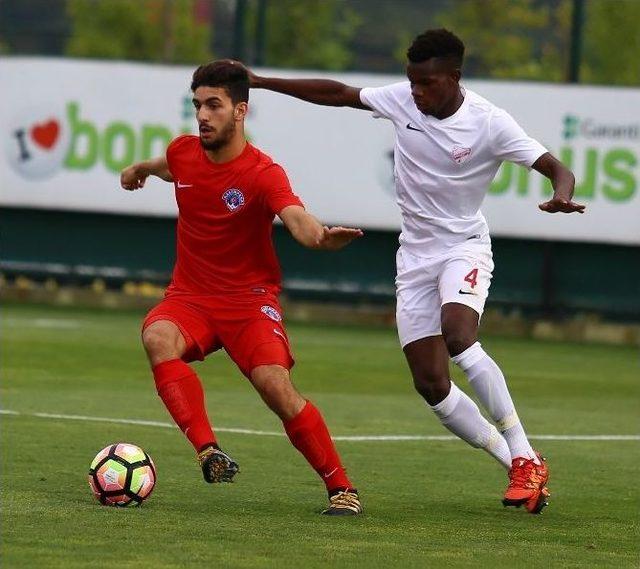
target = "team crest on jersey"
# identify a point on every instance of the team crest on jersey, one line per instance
(233, 199)
(460, 154)
(271, 312)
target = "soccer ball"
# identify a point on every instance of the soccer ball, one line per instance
(122, 474)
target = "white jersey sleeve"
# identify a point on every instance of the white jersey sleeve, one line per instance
(510, 142)
(383, 101)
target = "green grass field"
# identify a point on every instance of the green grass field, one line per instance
(427, 503)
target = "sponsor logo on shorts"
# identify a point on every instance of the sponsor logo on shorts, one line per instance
(460, 154)
(467, 292)
(233, 199)
(271, 312)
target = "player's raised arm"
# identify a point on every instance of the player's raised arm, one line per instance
(308, 231)
(563, 182)
(318, 91)
(134, 177)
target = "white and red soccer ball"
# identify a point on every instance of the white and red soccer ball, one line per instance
(122, 474)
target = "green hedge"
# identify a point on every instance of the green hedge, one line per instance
(551, 278)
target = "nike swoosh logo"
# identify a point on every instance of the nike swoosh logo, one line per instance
(464, 292)
(413, 127)
(180, 186)
(330, 473)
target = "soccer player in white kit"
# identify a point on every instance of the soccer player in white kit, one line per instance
(450, 143)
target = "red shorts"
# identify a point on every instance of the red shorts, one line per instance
(248, 326)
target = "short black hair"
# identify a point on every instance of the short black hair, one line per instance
(439, 43)
(223, 73)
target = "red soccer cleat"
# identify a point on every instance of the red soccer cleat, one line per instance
(527, 484)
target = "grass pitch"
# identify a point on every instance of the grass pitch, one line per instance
(427, 503)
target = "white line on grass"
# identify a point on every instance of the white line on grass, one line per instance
(349, 438)
(147, 423)
(63, 323)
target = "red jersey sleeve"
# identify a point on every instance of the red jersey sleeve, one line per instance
(174, 148)
(276, 189)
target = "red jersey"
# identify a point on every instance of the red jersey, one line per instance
(225, 220)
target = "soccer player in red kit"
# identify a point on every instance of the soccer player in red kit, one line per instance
(225, 283)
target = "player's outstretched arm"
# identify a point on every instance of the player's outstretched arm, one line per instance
(308, 231)
(318, 91)
(563, 182)
(134, 176)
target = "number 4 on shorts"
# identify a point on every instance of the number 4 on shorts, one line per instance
(472, 278)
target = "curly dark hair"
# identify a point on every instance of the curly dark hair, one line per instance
(223, 73)
(438, 43)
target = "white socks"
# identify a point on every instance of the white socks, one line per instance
(489, 384)
(461, 416)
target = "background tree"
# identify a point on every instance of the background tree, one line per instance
(516, 39)
(310, 33)
(149, 30)
(612, 42)
(507, 39)
(529, 39)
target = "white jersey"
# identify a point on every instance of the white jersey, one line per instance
(443, 168)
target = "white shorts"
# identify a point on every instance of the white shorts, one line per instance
(423, 285)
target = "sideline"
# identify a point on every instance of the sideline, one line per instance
(351, 438)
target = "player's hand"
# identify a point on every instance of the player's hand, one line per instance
(338, 237)
(132, 179)
(253, 78)
(556, 205)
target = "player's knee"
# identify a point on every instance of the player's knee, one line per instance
(160, 343)
(458, 341)
(276, 389)
(433, 388)
(459, 328)
(272, 382)
(277, 392)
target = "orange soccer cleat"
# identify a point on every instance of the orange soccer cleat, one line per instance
(527, 484)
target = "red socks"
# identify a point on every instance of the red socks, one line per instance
(308, 433)
(181, 392)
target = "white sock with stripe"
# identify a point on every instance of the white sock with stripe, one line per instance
(489, 384)
(458, 413)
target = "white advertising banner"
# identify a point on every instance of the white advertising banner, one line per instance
(70, 126)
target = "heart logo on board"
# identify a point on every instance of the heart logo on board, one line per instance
(37, 140)
(45, 134)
